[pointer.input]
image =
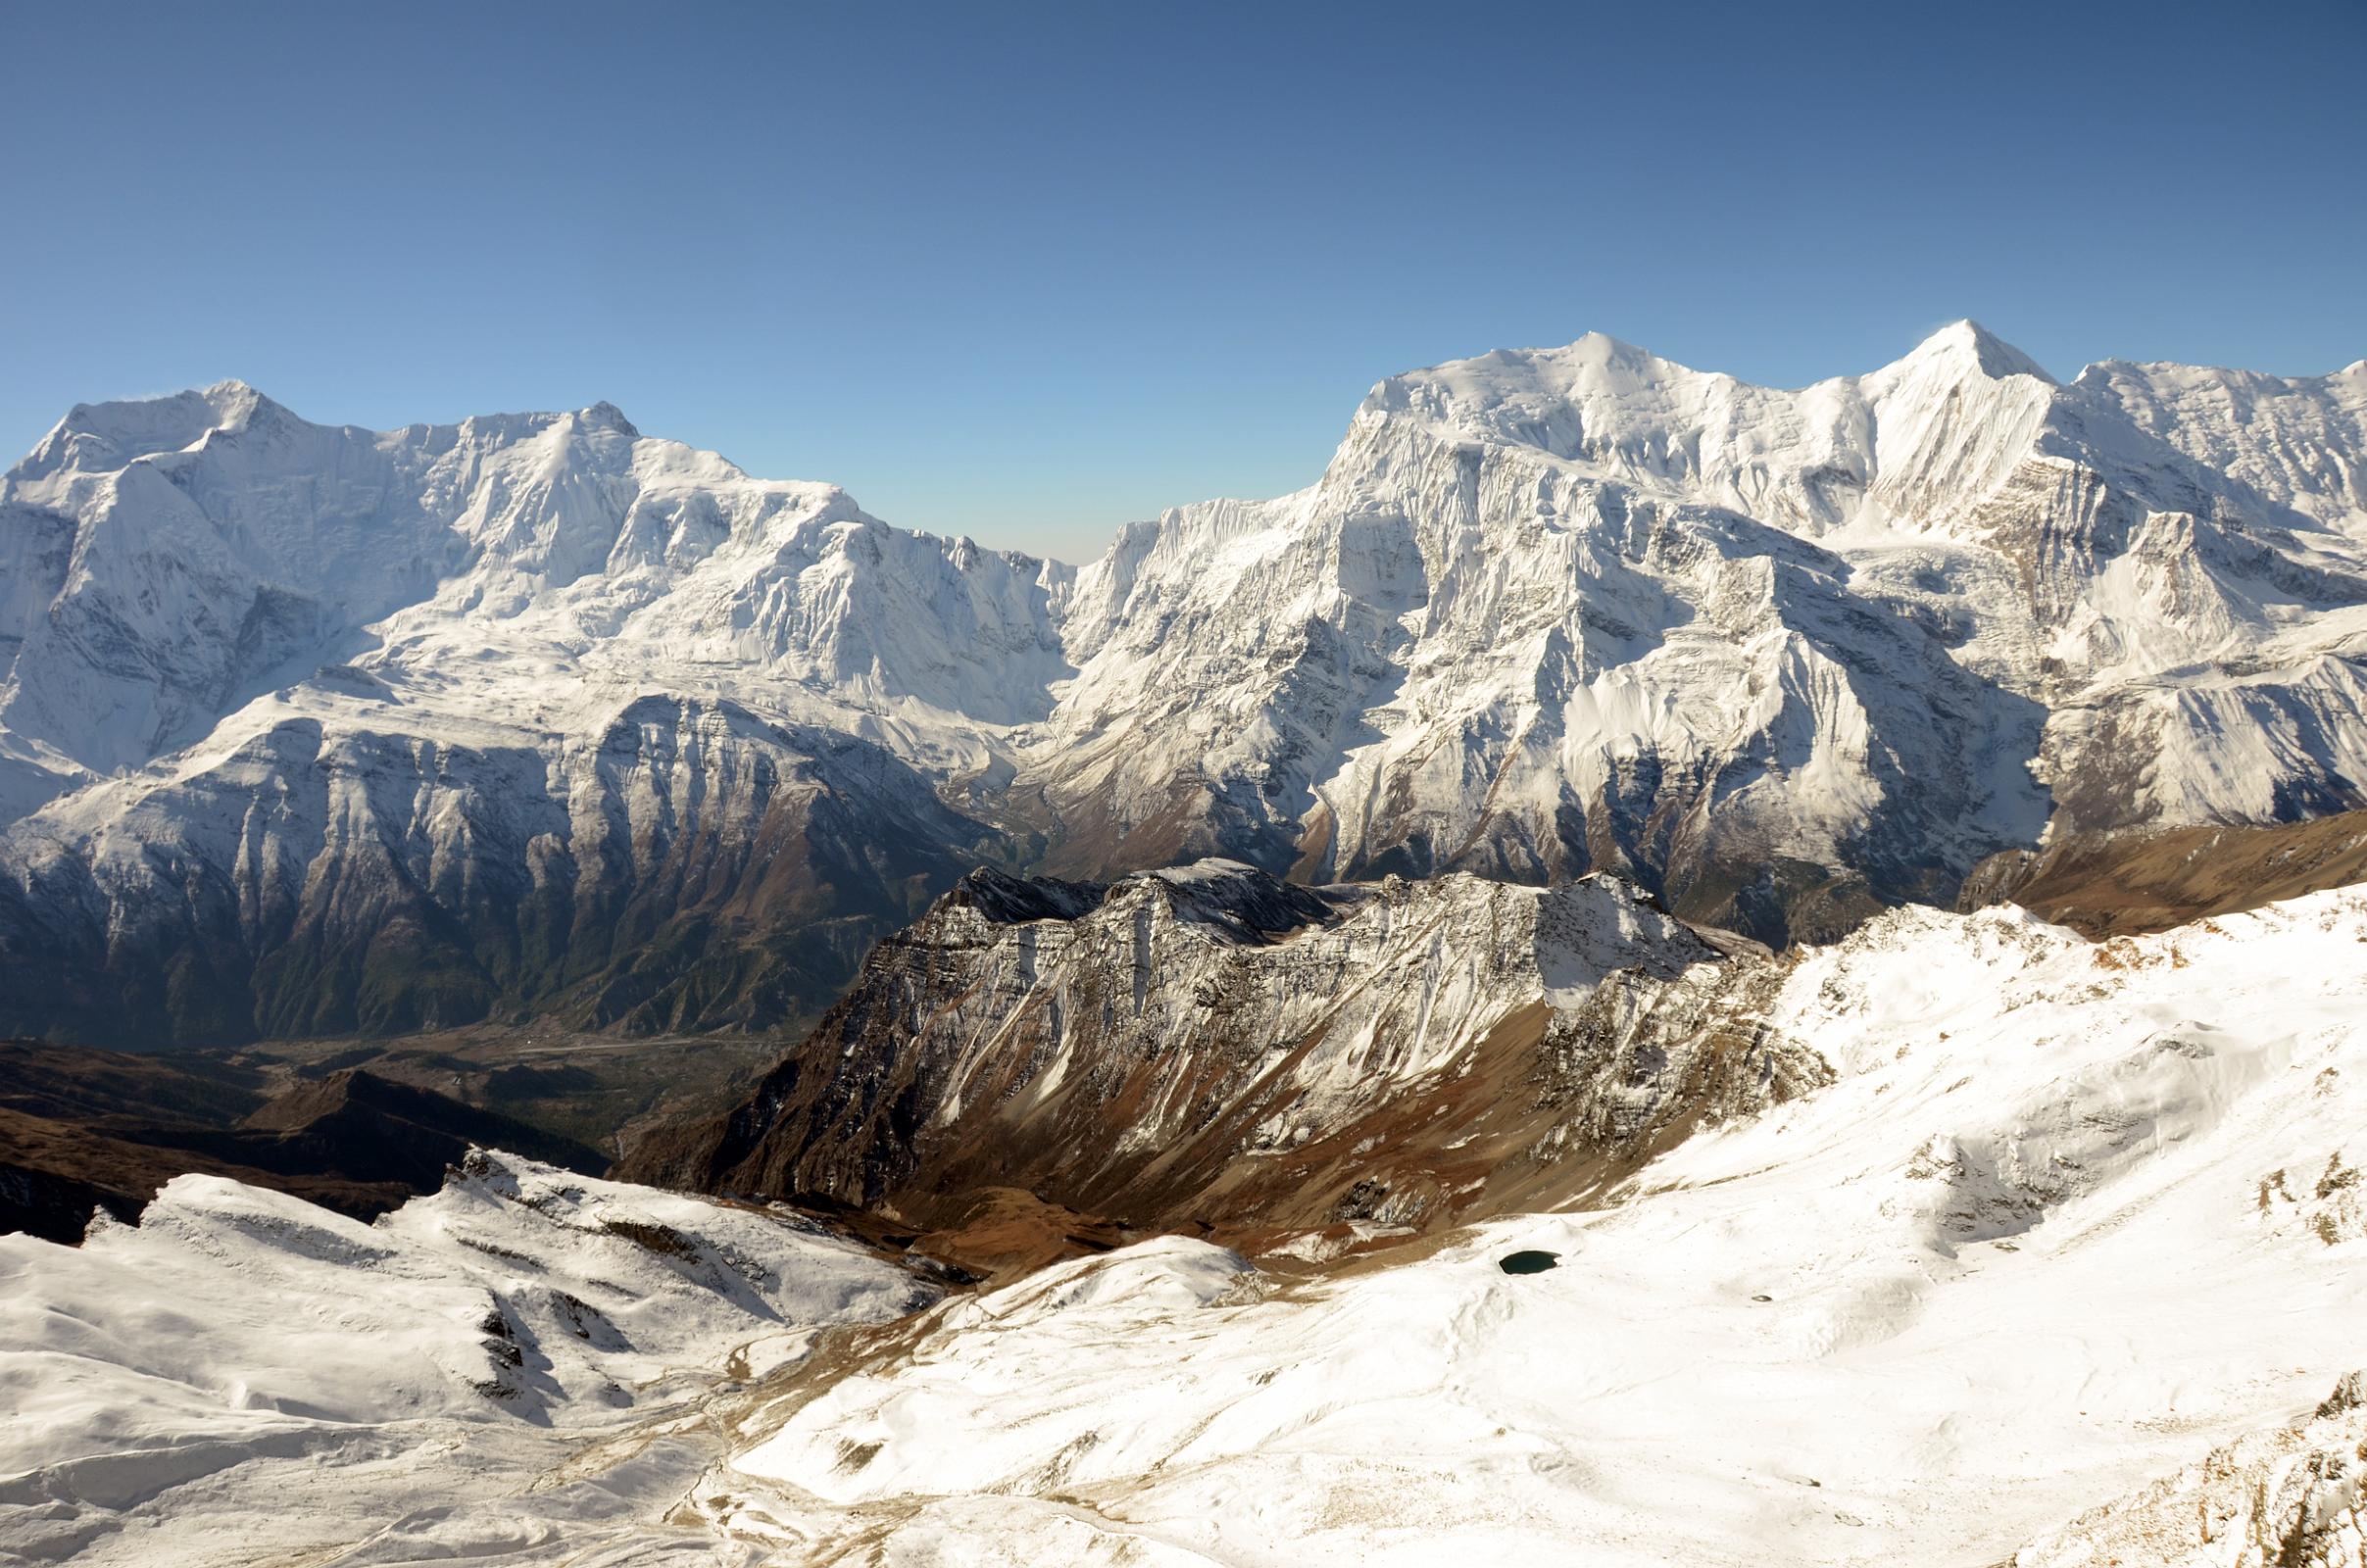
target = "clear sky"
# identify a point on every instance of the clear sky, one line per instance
(1026, 272)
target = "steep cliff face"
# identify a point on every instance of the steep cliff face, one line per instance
(507, 714)
(313, 730)
(1213, 1045)
(686, 866)
(1784, 656)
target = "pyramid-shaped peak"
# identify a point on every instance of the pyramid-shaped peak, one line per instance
(237, 406)
(1970, 343)
(608, 416)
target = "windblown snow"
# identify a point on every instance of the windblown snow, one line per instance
(2070, 1220)
(247, 1378)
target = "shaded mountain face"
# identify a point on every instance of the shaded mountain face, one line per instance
(84, 1130)
(1208, 1047)
(688, 866)
(315, 730)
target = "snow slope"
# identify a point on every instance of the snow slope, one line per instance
(245, 1377)
(2071, 1216)
(2064, 1258)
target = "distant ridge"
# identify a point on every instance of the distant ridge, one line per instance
(311, 731)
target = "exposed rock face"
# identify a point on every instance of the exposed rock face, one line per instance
(1782, 655)
(2071, 1215)
(688, 866)
(324, 731)
(1213, 1045)
(349, 730)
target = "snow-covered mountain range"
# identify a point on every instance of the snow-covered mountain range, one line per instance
(308, 729)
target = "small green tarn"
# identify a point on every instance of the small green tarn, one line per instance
(1528, 1262)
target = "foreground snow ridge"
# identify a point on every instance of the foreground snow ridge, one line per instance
(2065, 1261)
(245, 1376)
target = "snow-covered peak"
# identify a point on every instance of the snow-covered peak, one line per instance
(1594, 366)
(183, 553)
(1546, 610)
(1968, 347)
(609, 416)
(1913, 442)
(98, 437)
(2293, 441)
(1547, 398)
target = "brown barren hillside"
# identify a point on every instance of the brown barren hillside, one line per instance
(2126, 884)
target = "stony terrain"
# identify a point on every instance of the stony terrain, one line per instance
(1210, 1049)
(2139, 880)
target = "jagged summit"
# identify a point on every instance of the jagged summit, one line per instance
(108, 435)
(95, 437)
(1597, 364)
(607, 414)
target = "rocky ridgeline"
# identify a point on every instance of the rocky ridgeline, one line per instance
(1209, 1044)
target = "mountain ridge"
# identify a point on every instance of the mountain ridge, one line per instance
(1785, 657)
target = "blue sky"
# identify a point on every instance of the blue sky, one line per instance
(1027, 272)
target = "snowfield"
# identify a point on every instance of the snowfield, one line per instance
(245, 1377)
(2072, 1215)
(2067, 1257)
